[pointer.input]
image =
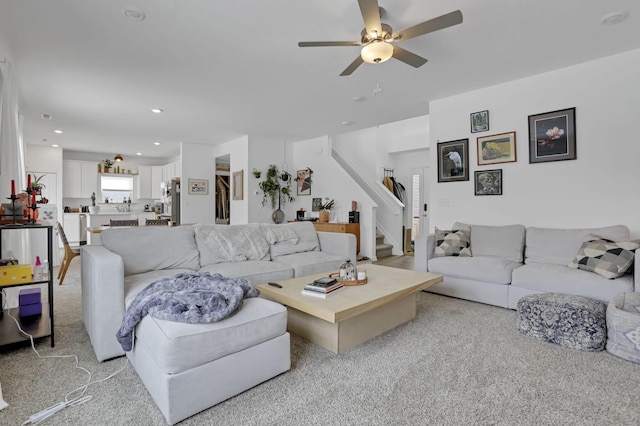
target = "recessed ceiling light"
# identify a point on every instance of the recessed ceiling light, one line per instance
(156, 110)
(359, 99)
(133, 13)
(58, 131)
(138, 153)
(46, 116)
(55, 145)
(614, 17)
(347, 123)
(156, 143)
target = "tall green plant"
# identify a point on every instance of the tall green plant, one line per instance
(272, 188)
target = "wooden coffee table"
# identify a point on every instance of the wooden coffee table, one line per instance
(353, 314)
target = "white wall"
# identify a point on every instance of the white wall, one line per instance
(44, 159)
(198, 162)
(599, 188)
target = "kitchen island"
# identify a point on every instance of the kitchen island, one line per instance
(99, 221)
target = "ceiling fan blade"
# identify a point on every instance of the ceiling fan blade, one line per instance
(371, 15)
(435, 24)
(408, 57)
(352, 67)
(328, 43)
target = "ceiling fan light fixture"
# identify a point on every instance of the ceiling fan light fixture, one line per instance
(118, 157)
(376, 52)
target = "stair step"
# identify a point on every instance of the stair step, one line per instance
(384, 250)
(379, 238)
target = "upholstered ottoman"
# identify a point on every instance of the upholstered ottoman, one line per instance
(574, 322)
(623, 323)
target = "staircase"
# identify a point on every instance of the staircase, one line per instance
(382, 249)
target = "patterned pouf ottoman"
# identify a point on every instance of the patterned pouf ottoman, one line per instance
(574, 322)
(623, 322)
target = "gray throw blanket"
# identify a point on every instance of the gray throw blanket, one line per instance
(191, 297)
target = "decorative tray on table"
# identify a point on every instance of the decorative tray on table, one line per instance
(336, 275)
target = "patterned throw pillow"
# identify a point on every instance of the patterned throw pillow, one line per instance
(605, 257)
(452, 243)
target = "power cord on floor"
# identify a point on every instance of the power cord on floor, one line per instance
(69, 399)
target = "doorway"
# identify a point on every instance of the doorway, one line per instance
(222, 188)
(419, 201)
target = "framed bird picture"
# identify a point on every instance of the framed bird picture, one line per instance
(453, 161)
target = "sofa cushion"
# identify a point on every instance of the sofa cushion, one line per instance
(505, 241)
(604, 257)
(148, 248)
(311, 262)
(454, 242)
(559, 246)
(230, 243)
(552, 278)
(254, 271)
(307, 240)
(480, 268)
(177, 347)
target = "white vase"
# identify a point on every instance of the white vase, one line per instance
(94, 209)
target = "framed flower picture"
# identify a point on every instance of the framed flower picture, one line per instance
(552, 136)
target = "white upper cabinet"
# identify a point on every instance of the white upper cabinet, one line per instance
(79, 179)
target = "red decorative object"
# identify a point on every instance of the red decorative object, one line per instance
(13, 187)
(28, 180)
(33, 196)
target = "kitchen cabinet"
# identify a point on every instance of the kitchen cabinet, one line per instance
(344, 228)
(149, 178)
(171, 171)
(41, 326)
(71, 225)
(79, 178)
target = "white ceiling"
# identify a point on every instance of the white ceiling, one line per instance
(222, 69)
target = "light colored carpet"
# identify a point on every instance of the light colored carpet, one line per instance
(457, 363)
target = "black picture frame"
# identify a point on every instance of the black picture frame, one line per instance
(315, 204)
(488, 182)
(453, 161)
(479, 121)
(552, 136)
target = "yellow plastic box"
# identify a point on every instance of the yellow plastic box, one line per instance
(15, 274)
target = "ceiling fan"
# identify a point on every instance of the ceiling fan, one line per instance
(377, 37)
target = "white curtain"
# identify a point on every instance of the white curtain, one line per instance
(12, 164)
(12, 167)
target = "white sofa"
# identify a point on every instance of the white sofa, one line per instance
(512, 261)
(190, 367)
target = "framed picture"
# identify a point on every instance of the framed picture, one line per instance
(315, 204)
(497, 148)
(303, 181)
(453, 161)
(552, 136)
(198, 186)
(488, 182)
(237, 185)
(479, 121)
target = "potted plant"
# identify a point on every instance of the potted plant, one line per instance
(273, 191)
(256, 173)
(324, 210)
(37, 185)
(107, 163)
(93, 209)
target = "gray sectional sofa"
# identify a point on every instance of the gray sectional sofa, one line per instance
(190, 367)
(512, 261)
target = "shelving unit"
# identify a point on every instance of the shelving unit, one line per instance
(41, 326)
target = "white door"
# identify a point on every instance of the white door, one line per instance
(420, 193)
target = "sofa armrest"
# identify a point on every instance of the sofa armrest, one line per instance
(339, 244)
(423, 251)
(102, 299)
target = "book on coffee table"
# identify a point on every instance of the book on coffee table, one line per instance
(320, 294)
(323, 288)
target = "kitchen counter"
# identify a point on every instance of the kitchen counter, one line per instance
(103, 219)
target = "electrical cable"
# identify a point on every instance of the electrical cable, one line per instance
(68, 400)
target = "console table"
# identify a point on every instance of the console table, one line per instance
(43, 325)
(341, 227)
